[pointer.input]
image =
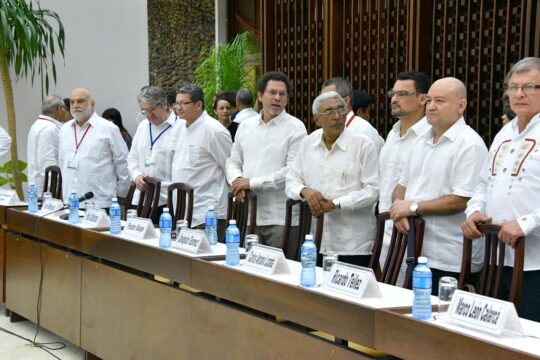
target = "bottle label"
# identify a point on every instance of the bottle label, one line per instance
(165, 224)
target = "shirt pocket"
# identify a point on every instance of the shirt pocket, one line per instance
(193, 154)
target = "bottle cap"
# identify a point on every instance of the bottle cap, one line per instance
(32, 184)
(422, 260)
(210, 207)
(309, 237)
(74, 191)
(232, 222)
(114, 199)
(165, 209)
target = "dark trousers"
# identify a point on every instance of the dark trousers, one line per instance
(528, 306)
(360, 260)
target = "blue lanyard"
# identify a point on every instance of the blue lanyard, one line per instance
(153, 141)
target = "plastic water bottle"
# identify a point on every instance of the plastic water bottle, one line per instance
(73, 208)
(165, 228)
(308, 257)
(115, 213)
(32, 198)
(232, 240)
(422, 290)
(210, 225)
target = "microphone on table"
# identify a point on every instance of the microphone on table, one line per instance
(89, 195)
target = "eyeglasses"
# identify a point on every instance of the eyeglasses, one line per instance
(182, 104)
(275, 92)
(332, 112)
(400, 94)
(527, 88)
(152, 110)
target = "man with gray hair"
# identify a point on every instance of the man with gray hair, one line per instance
(203, 146)
(244, 105)
(336, 171)
(439, 178)
(92, 153)
(354, 123)
(153, 145)
(42, 145)
(508, 192)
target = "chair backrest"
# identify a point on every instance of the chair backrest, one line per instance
(491, 275)
(184, 202)
(149, 199)
(239, 211)
(292, 242)
(396, 251)
(53, 181)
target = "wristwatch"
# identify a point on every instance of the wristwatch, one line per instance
(414, 208)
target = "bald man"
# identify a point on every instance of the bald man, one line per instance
(439, 178)
(92, 153)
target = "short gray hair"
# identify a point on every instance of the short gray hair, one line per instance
(324, 97)
(152, 95)
(522, 66)
(51, 103)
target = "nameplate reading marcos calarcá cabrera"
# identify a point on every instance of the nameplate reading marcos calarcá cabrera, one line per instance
(483, 313)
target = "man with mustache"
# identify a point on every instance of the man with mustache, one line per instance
(439, 179)
(92, 153)
(336, 172)
(509, 187)
(265, 147)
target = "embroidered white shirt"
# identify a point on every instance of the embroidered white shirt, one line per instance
(361, 126)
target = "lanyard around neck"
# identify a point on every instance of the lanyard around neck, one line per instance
(350, 120)
(152, 140)
(78, 143)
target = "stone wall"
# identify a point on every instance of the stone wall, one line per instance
(177, 31)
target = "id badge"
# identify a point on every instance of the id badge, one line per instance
(72, 164)
(149, 161)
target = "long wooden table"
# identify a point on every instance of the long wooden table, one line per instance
(98, 291)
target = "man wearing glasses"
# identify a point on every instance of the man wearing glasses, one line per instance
(336, 172)
(508, 192)
(42, 146)
(203, 146)
(439, 178)
(264, 148)
(152, 149)
(353, 123)
(92, 153)
(408, 104)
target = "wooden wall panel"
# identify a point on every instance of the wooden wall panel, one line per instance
(370, 42)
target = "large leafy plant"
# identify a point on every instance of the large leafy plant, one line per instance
(227, 67)
(29, 37)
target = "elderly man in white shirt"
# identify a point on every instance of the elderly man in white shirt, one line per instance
(336, 172)
(42, 145)
(408, 104)
(203, 146)
(354, 123)
(440, 178)
(92, 153)
(262, 154)
(153, 145)
(508, 192)
(244, 105)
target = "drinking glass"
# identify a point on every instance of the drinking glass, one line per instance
(329, 259)
(447, 286)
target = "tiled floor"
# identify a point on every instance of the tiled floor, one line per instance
(12, 347)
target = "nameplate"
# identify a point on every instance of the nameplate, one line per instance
(96, 218)
(8, 197)
(353, 280)
(193, 241)
(51, 205)
(484, 313)
(139, 228)
(267, 259)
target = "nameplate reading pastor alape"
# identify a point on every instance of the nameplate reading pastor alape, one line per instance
(262, 259)
(135, 227)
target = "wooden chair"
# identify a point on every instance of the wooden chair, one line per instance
(148, 204)
(184, 200)
(491, 274)
(396, 251)
(292, 244)
(53, 181)
(239, 211)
